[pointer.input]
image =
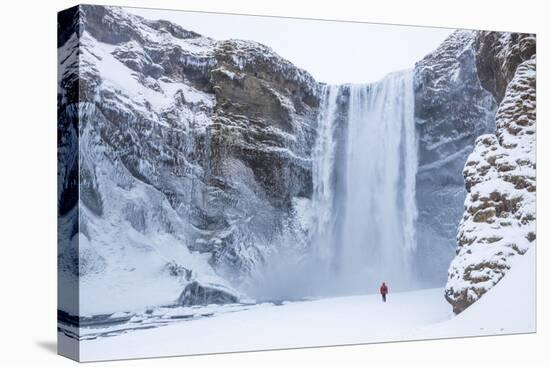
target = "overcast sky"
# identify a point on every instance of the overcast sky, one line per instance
(333, 52)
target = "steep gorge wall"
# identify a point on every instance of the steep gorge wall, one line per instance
(451, 110)
(498, 223)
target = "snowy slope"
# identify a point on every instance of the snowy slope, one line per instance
(509, 308)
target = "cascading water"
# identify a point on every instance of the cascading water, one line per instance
(324, 191)
(364, 184)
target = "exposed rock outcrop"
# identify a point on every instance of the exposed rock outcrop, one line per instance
(500, 174)
(498, 56)
(451, 111)
(198, 294)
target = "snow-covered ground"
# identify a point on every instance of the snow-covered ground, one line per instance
(506, 309)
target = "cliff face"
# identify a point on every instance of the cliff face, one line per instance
(498, 56)
(190, 153)
(498, 223)
(451, 110)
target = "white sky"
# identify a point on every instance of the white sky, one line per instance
(333, 52)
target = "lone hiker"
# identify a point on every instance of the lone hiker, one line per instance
(383, 291)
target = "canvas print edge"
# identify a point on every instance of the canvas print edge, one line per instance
(506, 71)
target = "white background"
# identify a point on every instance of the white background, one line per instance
(28, 182)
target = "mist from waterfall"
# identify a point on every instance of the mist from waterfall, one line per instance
(362, 214)
(364, 169)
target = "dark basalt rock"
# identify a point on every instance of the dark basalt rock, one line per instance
(451, 110)
(498, 56)
(196, 294)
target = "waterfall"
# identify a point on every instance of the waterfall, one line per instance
(364, 170)
(324, 156)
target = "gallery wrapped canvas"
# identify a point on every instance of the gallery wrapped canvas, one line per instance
(235, 183)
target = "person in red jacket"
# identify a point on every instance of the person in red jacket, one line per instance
(383, 291)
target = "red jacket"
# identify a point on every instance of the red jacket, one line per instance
(384, 289)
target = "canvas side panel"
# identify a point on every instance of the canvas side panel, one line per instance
(68, 28)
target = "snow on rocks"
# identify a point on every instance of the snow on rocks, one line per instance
(498, 56)
(451, 110)
(190, 151)
(201, 294)
(247, 55)
(499, 217)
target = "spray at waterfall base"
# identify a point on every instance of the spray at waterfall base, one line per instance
(360, 222)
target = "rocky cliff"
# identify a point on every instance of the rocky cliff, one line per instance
(191, 151)
(451, 110)
(498, 223)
